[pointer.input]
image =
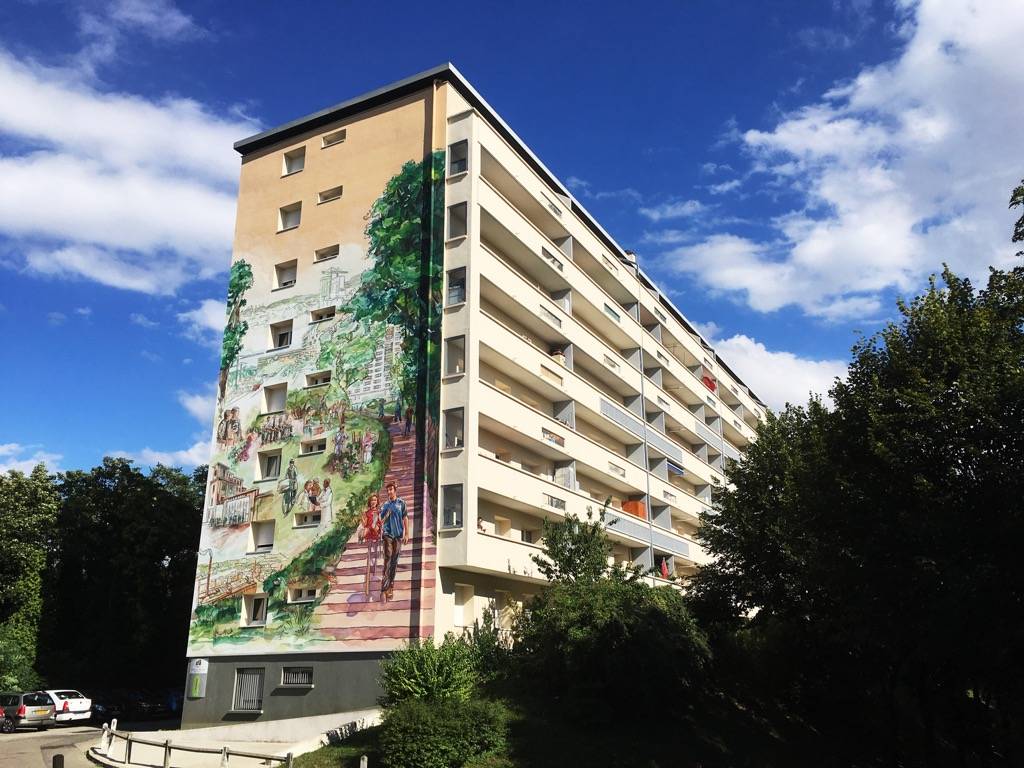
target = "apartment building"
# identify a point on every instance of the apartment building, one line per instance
(430, 348)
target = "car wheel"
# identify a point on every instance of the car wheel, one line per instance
(6, 725)
(43, 727)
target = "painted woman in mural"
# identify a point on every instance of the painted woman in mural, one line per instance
(327, 502)
(368, 533)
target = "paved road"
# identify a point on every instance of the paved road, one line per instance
(35, 749)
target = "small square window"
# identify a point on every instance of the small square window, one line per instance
(330, 252)
(301, 594)
(328, 194)
(451, 506)
(502, 526)
(281, 335)
(455, 356)
(294, 161)
(458, 157)
(453, 428)
(331, 139)
(306, 519)
(456, 287)
(285, 274)
(313, 446)
(289, 216)
(262, 536)
(297, 676)
(319, 315)
(274, 398)
(458, 220)
(270, 465)
(254, 611)
(318, 379)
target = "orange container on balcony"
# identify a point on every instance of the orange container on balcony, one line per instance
(635, 508)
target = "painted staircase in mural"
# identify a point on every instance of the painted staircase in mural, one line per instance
(353, 611)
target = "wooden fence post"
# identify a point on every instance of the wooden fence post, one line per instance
(224, 753)
(128, 750)
(167, 754)
(289, 763)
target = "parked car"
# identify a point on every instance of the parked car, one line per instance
(144, 705)
(32, 709)
(106, 706)
(70, 705)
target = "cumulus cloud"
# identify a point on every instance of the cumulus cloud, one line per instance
(900, 169)
(56, 318)
(145, 186)
(676, 209)
(776, 376)
(24, 458)
(205, 323)
(200, 405)
(197, 453)
(137, 318)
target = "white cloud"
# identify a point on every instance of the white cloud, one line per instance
(777, 377)
(56, 318)
(900, 169)
(140, 319)
(197, 453)
(677, 209)
(145, 187)
(84, 311)
(725, 186)
(199, 405)
(24, 458)
(205, 323)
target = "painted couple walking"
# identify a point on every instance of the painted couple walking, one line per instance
(384, 527)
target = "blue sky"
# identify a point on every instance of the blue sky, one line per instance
(784, 169)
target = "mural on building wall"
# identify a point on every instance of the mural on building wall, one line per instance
(319, 525)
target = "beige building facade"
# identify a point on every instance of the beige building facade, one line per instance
(431, 347)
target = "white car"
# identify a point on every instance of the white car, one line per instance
(70, 705)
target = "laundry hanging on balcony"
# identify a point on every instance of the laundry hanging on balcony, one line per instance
(709, 382)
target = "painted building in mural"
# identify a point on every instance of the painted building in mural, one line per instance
(429, 347)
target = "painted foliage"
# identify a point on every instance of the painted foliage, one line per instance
(319, 528)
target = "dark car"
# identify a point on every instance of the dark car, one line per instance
(32, 709)
(144, 705)
(106, 706)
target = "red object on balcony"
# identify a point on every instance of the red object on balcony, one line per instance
(664, 568)
(709, 383)
(635, 508)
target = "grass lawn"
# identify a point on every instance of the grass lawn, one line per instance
(343, 755)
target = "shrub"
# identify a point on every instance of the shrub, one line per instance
(441, 734)
(425, 671)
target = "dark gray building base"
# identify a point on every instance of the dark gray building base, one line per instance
(341, 682)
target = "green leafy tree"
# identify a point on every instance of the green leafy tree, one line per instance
(1017, 201)
(240, 280)
(28, 510)
(349, 348)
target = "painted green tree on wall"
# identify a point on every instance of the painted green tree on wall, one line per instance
(239, 281)
(348, 349)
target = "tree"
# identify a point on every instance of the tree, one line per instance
(349, 348)
(240, 280)
(879, 538)
(28, 508)
(1017, 200)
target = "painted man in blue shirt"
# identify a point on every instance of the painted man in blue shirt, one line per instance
(394, 533)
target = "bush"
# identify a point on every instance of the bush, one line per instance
(425, 671)
(441, 734)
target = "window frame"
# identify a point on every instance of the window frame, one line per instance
(452, 173)
(237, 692)
(284, 210)
(459, 520)
(450, 210)
(286, 156)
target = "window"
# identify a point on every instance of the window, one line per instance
(456, 286)
(328, 194)
(306, 519)
(333, 138)
(289, 216)
(302, 594)
(554, 502)
(249, 689)
(254, 610)
(294, 161)
(551, 376)
(281, 335)
(660, 315)
(274, 398)
(551, 317)
(313, 446)
(502, 526)
(458, 157)
(453, 428)
(458, 220)
(262, 536)
(285, 273)
(608, 264)
(551, 259)
(318, 379)
(323, 254)
(319, 315)
(297, 676)
(527, 536)
(612, 313)
(270, 465)
(610, 363)
(553, 438)
(451, 506)
(455, 356)
(615, 469)
(464, 613)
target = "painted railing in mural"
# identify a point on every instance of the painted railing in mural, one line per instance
(122, 753)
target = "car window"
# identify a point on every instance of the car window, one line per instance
(35, 699)
(62, 695)
(8, 701)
